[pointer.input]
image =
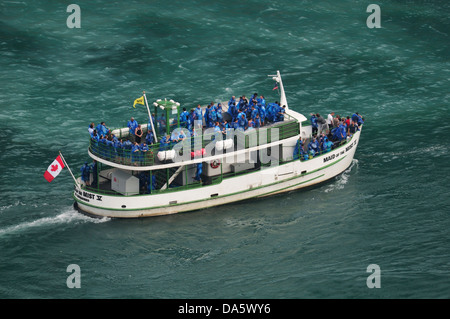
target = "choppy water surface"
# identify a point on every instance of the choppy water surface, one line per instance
(389, 208)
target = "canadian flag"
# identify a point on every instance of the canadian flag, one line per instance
(54, 169)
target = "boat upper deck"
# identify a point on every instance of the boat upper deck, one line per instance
(119, 148)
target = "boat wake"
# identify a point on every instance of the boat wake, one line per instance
(68, 216)
(342, 179)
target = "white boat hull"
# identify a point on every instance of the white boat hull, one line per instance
(265, 182)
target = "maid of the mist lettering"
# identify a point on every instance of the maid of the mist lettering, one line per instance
(374, 280)
(74, 20)
(74, 279)
(373, 20)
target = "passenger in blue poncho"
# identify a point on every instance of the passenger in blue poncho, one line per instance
(151, 185)
(118, 147)
(242, 121)
(342, 132)
(198, 114)
(102, 129)
(270, 112)
(352, 128)
(132, 125)
(199, 172)
(231, 101)
(213, 115)
(253, 113)
(313, 147)
(135, 153)
(314, 124)
(232, 110)
(262, 114)
(257, 121)
(164, 143)
(357, 119)
(299, 151)
(149, 138)
(94, 173)
(85, 173)
(280, 114)
(190, 120)
(207, 116)
(327, 145)
(184, 118)
(261, 101)
(219, 112)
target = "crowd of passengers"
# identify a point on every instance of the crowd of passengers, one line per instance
(327, 134)
(246, 114)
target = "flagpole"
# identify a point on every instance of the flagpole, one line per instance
(70, 171)
(150, 118)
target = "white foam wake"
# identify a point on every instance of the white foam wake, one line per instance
(342, 179)
(68, 216)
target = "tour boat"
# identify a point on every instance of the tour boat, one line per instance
(235, 165)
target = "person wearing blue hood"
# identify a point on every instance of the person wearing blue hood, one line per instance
(257, 121)
(102, 129)
(132, 125)
(118, 147)
(281, 112)
(342, 132)
(164, 142)
(219, 111)
(262, 114)
(151, 185)
(298, 146)
(184, 118)
(94, 173)
(232, 110)
(313, 147)
(314, 124)
(190, 120)
(207, 116)
(327, 145)
(242, 121)
(253, 112)
(135, 153)
(127, 145)
(149, 138)
(85, 173)
(270, 111)
(357, 119)
(198, 114)
(199, 172)
(352, 128)
(231, 101)
(213, 114)
(261, 101)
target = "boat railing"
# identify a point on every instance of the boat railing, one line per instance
(125, 156)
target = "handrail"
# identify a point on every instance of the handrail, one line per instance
(287, 128)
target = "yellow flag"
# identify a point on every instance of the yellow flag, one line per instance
(139, 100)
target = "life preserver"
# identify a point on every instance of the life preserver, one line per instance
(215, 164)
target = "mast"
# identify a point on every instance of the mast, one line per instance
(150, 118)
(68, 168)
(283, 100)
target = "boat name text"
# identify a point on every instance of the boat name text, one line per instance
(86, 196)
(336, 155)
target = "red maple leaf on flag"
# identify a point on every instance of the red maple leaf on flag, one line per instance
(55, 168)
